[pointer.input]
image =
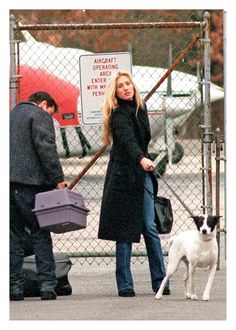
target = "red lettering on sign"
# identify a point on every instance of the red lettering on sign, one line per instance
(98, 93)
(105, 73)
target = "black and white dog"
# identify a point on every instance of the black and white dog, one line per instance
(197, 248)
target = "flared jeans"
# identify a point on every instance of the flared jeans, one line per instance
(153, 246)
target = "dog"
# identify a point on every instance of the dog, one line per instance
(197, 248)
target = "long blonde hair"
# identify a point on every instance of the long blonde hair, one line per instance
(110, 103)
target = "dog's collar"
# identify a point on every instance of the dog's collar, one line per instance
(205, 238)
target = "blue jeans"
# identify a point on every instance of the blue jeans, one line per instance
(153, 245)
(22, 199)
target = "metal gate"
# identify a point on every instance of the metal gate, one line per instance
(173, 75)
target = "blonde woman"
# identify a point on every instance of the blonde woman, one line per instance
(127, 209)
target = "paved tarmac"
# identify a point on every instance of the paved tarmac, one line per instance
(94, 297)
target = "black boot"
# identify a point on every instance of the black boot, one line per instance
(127, 293)
(48, 295)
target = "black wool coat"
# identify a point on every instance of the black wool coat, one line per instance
(121, 217)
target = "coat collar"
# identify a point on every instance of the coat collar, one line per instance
(125, 103)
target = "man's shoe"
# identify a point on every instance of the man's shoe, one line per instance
(127, 293)
(48, 295)
(17, 296)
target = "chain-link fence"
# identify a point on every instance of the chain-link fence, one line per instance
(170, 64)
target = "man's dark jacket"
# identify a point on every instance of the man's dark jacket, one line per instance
(33, 154)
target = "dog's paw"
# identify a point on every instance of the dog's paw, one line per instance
(205, 297)
(193, 297)
(187, 295)
(158, 296)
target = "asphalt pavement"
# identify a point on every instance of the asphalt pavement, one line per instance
(94, 297)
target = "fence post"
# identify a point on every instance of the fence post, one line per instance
(217, 184)
(207, 116)
(13, 80)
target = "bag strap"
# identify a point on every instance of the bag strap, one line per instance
(174, 193)
(153, 196)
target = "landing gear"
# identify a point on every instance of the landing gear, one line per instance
(177, 155)
(83, 141)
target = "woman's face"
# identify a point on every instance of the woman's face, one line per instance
(124, 88)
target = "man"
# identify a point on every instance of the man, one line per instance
(34, 168)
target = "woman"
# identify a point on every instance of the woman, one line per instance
(127, 209)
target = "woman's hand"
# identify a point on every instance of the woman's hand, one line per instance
(147, 164)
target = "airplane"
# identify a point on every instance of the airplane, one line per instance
(170, 106)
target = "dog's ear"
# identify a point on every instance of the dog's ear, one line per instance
(216, 218)
(195, 218)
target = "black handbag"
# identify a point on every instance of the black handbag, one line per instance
(29, 270)
(163, 215)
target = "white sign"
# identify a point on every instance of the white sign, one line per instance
(95, 73)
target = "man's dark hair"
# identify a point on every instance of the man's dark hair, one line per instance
(38, 97)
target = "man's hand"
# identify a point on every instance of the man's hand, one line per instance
(61, 185)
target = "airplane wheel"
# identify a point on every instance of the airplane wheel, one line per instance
(178, 153)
